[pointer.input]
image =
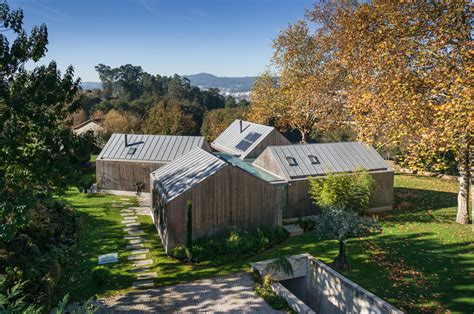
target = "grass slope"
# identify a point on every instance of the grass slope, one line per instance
(423, 261)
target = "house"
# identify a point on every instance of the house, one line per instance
(296, 163)
(222, 194)
(128, 159)
(247, 140)
(92, 125)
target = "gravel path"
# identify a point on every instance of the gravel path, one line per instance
(233, 293)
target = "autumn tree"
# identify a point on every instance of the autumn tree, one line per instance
(217, 120)
(409, 78)
(305, 93)
(121, 122)
(170, 118)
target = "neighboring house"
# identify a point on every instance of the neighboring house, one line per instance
(247, 140)
(223, 193)
(296, 163)
(127, 159)
(93, 126)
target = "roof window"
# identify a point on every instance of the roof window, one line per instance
(131, 151)
(291, 161)
(313, 159)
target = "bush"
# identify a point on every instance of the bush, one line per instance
(264, 290)
(100, 275)
(231, 245)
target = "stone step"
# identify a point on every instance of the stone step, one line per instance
(127, 229)
(127, 215)
(140, 251)
(145, 276)
(142, 269)
(124, 199)
(127, 203)
(132, 224)
(138, 240)
(142, 263)
(133, 238)
(143, 284)
(135, 232)
(126, 211)
(134, 246)
(136, 257)
(293, 230)
(128, 221)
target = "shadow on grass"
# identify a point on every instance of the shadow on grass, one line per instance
(100, 233)
(422, 273)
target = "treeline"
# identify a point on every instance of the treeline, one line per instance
(133, 100)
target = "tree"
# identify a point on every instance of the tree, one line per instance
(343, 198)
(216, 121)
(121, 122)
(409, 77)
(169, 118)
(307, 94)
(39, 154)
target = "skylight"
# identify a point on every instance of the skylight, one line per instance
(313, 159)
(291, 161)
(248, 141)
(131, 151)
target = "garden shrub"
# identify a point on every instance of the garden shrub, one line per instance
(230, 245)
(264, 290)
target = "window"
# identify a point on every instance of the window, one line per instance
(131, 151)
(291, 161)
(313, 159)
(248, 141)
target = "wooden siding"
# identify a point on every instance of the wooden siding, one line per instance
(300, 203)
(274, 138)
(227, 198)
(122, 175)
(267, 161)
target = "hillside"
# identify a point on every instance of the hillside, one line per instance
(228, 84)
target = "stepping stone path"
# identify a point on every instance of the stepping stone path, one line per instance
(141, 266)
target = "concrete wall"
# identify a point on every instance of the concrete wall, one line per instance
(314, 286)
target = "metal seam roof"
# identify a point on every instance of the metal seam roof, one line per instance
(178, 176)
(333, 157)
(149, 148)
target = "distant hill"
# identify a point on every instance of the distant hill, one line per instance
(91, 85)
(227, 84)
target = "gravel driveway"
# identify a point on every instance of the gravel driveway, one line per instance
(233, 293)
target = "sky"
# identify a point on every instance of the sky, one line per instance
(221, 37)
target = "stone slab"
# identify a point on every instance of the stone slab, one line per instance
(127, 203)
(144, 262)
(132, 224)
(135, 232)
(134, 246)
(140, 251)
(293, 230)
(145, 276)
(132, 238)
(128, 221)
(136, 241)
(127, 229)
(108, 258)
(143, 284)
(136, 257)
(124, 199)
(142, 269)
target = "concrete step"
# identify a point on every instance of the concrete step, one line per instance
(293, 230)
(142, 263)
(137, 240)
(145, 276)
(140, 251)
(143, 284)
(137, 257)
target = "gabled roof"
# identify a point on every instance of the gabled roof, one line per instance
(241, 137)
(80, 125)
(304, 160)
(149, 148)
(180, 175)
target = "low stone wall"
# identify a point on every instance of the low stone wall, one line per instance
(315, 287)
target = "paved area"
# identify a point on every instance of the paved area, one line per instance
(233, 293)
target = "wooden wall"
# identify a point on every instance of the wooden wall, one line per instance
(227, 198)
(122, 175)
(300, 203)
(274, 138)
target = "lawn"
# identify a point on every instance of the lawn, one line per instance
(423, 261)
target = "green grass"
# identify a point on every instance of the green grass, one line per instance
(421, 262)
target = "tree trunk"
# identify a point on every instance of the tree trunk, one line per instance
(341, 262)
(471, 171)
(462, 216)
(304, 137)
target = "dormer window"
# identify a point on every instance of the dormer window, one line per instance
(131, 151)
(291, 161)
(313, 159)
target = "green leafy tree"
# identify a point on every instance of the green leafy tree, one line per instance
(170, 118)
(39, 155)
(343, 198)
